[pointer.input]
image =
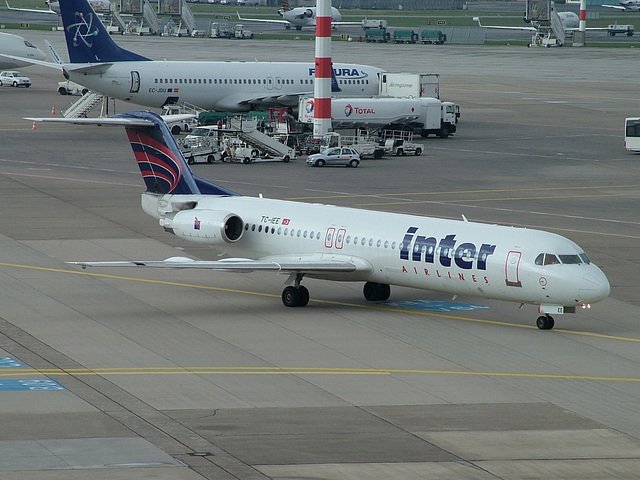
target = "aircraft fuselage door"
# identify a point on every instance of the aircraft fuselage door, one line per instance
(269, 83)
(511, 269)
(278, 84)
(135, 82)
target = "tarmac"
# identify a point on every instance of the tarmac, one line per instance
(136, 374)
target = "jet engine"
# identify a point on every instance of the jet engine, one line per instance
(206, 226)
(308, 13)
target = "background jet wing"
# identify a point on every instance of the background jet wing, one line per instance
(317, 264)
(262, 20)
(616, 7)
(498, 27)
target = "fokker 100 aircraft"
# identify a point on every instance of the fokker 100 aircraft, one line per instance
(345, 244)
(100, 65)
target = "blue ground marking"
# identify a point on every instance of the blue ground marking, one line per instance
(8, 362)
(29, 384)
(435, 306)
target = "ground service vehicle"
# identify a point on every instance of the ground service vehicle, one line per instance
(432, 36)
(335, 156)
(71, 88)
(377, 35)
(409, 85)
(14, 79)
(424, 115)
(632, 134)
(368, 24)
(404, 35)
(364, 144)
(614, 29)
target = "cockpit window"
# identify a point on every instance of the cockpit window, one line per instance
(550, 259)
(570, 259)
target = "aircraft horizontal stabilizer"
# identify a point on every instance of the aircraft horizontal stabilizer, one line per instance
(127, 122)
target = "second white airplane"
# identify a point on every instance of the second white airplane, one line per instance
(345, 244)
(99, 64)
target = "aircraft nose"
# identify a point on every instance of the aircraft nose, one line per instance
(594, 287)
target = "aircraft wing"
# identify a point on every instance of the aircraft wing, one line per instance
(292, 264)
(497, 27)
(262, 20)
(30, 10)
(616, 7)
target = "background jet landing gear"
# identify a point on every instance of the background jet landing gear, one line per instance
(545, 322)
(376, 292)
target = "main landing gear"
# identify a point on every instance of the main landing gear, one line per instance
(295, 295)
(298, 296)
(545, 322)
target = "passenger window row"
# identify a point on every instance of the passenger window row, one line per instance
(249, 81)
(313, 235)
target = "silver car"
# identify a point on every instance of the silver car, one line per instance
(14, 79)
(335, 156)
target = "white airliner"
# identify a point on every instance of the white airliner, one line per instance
(54, 7)
(100, 65)
(628, 5)
(345, 244)
(17, 48)
(299, 17)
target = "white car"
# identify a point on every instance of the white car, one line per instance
(14, 79)
(335, 156)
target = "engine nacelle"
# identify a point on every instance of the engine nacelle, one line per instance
(206, 226)
(308, 13)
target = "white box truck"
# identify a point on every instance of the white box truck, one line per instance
(409, 85)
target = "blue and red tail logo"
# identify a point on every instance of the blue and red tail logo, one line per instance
(160, 167)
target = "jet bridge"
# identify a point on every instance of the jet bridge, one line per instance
(549, 28)
(142, 17)
(181, 16)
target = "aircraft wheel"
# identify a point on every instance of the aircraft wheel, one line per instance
(290, 297)
(303, 296)
(545, 322)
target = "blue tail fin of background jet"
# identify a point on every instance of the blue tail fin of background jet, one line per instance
(161, 163)
(87, 39)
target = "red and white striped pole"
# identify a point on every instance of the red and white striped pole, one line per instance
(583, 15)
(322, 86)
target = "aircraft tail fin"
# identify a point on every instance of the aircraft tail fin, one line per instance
(285, 6)
(163, 167)
(87, 39)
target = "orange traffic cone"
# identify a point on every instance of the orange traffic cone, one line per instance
(53, 110)
(34, 126)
